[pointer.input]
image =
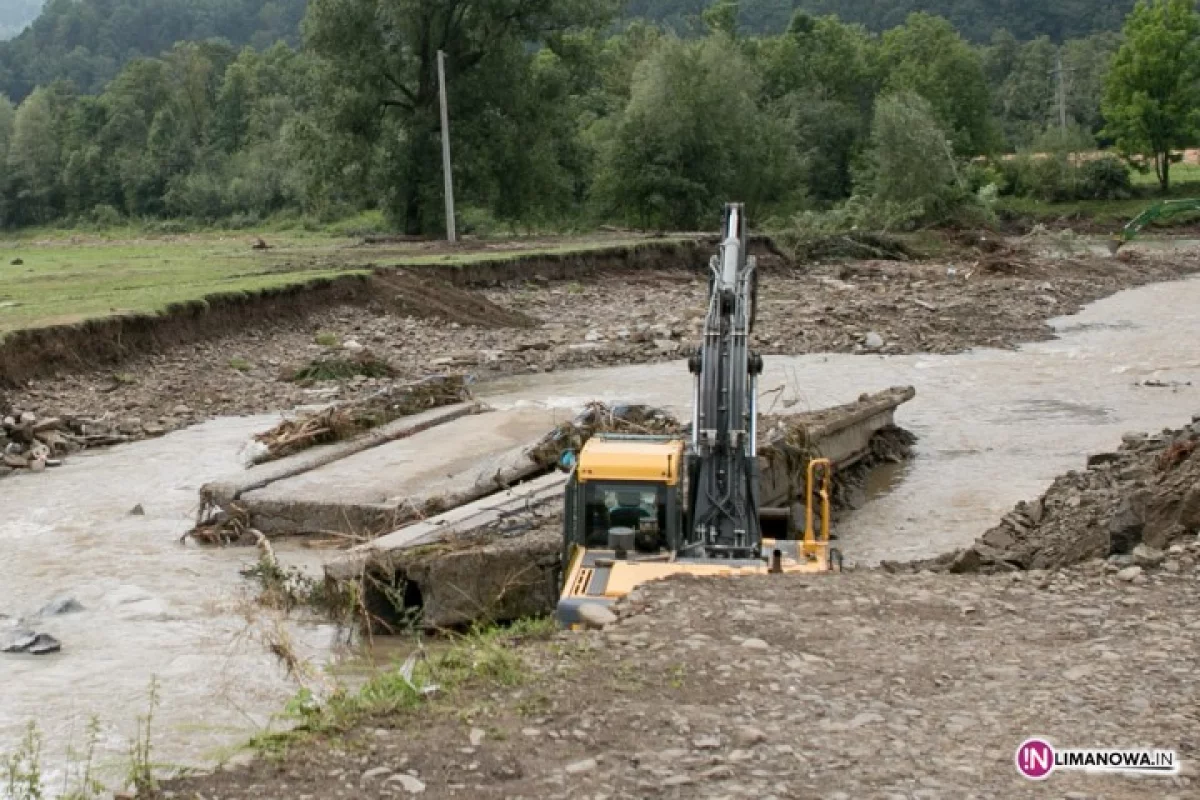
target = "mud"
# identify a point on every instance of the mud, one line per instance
(1125, 506)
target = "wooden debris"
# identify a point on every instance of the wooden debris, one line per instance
(340, 422)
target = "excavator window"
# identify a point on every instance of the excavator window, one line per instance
(641, 507)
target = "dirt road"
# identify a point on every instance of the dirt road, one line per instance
(862, 685)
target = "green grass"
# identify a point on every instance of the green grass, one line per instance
(487, 656)
(70, 276)
(1180, 174)
(1112, 213)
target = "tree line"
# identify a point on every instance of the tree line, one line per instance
(560, 119)
(977, 20)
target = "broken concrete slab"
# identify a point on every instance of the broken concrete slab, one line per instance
(417, 467)
(486, 514)
(495, 559)
(225, 491)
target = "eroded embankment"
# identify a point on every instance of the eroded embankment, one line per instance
(1127, 506)
(43, 352)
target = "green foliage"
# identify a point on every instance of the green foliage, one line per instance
(141, 766)
(1152, 97)
(88, 41)
(23, 768)
(692, 137)
(911, 163)
(558, 121)
(927, 56)
(1105, 178)
(978, 21)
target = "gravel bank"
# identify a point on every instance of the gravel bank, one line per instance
(864, 685)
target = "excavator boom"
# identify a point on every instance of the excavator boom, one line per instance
(1166, 208)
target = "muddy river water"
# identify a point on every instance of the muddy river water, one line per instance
(995, 427)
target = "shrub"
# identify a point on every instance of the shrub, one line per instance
(1105, 178)
(105, 216)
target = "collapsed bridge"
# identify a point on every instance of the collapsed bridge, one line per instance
(456, 509)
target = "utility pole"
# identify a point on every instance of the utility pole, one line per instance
(1062, 94)
(450, 232)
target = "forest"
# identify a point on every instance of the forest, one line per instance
(976, 20)
(574, 113)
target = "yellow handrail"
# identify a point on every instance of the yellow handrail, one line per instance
(826, 467)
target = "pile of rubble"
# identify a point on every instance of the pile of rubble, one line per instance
(33, 443)
(1128, 507)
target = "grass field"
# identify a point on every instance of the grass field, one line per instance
(64, 278)
(1180, 174)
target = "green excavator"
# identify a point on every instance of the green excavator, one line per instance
(1166, 208)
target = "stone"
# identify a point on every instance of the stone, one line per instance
(748, 736)
(44, 644)
(1101, 459)
(1127, 524)
(137, 511)
(61, 605)
(408, 783)
(579, 767)
(1189, 510)
(706, 742)
(755, 644)
(873, 341)
(595, 616)
(1146, 556)
(968, 560)
(666, 346)
(866, 718)
(19, 642)
(477, 736)
(375, 774)
(1129, 573)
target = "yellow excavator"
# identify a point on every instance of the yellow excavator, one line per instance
(1166, 208)
(641, 508)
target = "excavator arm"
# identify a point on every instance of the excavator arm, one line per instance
(722, 462)
(1166, 208)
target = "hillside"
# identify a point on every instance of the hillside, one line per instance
(16, 14)
(975, 19)
(88, 41)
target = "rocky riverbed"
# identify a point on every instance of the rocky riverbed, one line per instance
(975, 298)
(864, 685)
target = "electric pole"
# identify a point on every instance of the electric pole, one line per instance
(450, 232)
(1062, 95)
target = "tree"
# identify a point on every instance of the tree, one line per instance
(692, 138)
(911, 162)
(928, 57)
(35, 153)
(1152, 93)
(822, 78)
(382, 60)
